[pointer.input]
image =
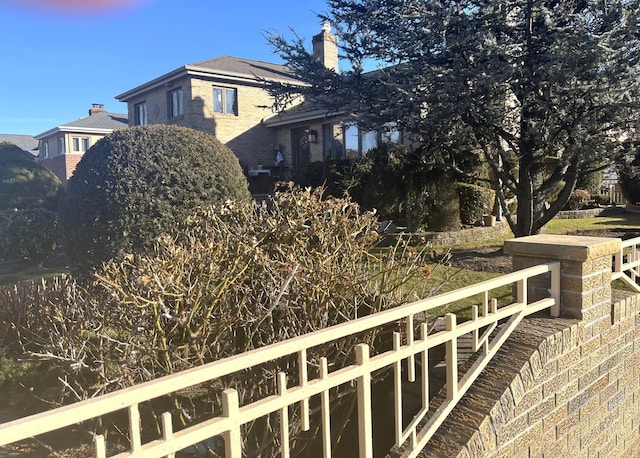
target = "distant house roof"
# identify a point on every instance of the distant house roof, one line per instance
(26, 143)
(98, 123)
(225, 69)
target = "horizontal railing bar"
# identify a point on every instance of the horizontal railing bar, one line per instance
(181, 439)
(84, 410)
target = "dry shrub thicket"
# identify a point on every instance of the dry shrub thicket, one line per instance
(234, 279)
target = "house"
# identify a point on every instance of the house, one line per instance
(61, 148)
(227, 97)
(26, 143)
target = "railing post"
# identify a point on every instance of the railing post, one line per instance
(230, 410)
(363, 384)
(585, 271)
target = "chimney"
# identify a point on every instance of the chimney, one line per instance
(97, 108)
(325, 47)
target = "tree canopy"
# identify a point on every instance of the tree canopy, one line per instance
(544, 90)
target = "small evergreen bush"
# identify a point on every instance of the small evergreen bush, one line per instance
(474, 202)
(139, 182)
(24, 182)
(28, 234)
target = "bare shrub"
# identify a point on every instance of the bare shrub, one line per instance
(235, 279)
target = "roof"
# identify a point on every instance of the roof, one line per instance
(226, 69)
(26, 143)
(238, 65)
(98, 123)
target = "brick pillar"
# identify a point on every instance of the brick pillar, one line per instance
(585, 264)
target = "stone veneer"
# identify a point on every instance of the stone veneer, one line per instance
(559, 387)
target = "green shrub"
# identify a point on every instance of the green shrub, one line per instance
(474, 202)
(24, 182)
(590, 182)
(441, 208)
(601, 199)
(29, 234)
(332, 175)
(139, 182)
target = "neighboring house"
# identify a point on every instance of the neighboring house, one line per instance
(228, 97)
(61, 148)
(26, 143)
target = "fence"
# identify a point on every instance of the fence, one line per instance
(488, 329)
(626, 263)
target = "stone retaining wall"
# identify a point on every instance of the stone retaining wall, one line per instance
(461, 236)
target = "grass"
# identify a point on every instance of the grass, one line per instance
(623, 221)
(447, 278)
(454, 278)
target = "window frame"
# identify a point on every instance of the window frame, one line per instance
(45, 149)
(138, 110)
(62, 147)
(224, 102)
(79, 142)
(175, 103)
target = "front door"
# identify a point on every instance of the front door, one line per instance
(300, 146)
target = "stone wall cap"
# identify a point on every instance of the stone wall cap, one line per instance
(568, 247)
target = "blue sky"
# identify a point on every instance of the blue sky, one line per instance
(57, 61)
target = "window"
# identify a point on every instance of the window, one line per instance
(45, 150)
(358, 142)
(225, 100)
(352, 141)
(332, 141)
(391, 134)
(61, 145)
(140, 113)
(80, 144)
(175, 103)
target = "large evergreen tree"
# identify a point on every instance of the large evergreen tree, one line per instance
(544, 90)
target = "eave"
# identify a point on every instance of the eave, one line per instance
(201, 72)
(282, 119)
(73, 130)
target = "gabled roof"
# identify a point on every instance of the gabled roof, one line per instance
(226, 69)
(98, 123)
(26, 143)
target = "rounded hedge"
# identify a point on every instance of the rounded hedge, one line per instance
(30, 234)
(139, 182)
(24, 182)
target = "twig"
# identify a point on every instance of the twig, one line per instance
(280, 294)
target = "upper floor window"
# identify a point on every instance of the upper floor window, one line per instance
(45, 150)
(140, 113)
(80, 144)
(225, 100)
(61, 149)
(175, 103)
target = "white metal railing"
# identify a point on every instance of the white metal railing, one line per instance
(486, 333)
(626, 263)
